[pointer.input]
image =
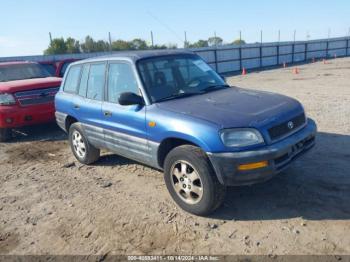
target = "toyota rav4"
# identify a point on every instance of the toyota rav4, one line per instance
(172, 111)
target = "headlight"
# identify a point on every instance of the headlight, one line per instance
(7, 99)
(239, 137)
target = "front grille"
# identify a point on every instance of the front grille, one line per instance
(37, 96)
(287, 127)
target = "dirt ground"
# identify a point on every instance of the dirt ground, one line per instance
(51, 204)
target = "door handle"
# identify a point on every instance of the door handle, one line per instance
(107, 113)
(76, 107)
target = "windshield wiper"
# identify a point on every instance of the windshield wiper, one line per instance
(214, 87)
(176, 96)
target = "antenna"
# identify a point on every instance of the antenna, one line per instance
(165, 25)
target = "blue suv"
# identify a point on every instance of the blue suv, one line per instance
(170, 110)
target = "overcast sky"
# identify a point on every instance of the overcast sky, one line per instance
(25, 24)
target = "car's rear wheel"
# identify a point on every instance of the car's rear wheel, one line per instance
(83, 151)
(5, 134)
(191, 180)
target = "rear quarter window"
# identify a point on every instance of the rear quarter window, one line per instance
(72, 79)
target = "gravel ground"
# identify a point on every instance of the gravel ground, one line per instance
(51, 204)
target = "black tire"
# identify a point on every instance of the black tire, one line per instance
(5, 134)
(92, 154)
(213, 192)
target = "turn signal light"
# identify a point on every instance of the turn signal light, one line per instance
(251, 166)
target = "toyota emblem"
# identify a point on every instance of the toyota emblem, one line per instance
(290, 125)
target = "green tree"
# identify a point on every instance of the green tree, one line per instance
(57, 46)
(138, 44)
(239, 42)
(171, 46)
(121, 45)
(72, 45)
(159, 47)
(90, 45)
(215, 41)
(101, 46)
(199, 44)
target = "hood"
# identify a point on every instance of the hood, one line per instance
(29, 84)
(236, 107)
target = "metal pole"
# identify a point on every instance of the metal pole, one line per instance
(215, 39)
(347, 44)
(279, 36)
(278, 47)
(261, 40)
(215, 53)
(294, 37)
(305, 52)
(293, 45)
(327, 47)
(50, 36)
(185, 44)
(240, 50)
(110, 41)
(152, 41)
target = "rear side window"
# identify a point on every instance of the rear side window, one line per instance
(84, 80)
(96, 81)
(72, 80)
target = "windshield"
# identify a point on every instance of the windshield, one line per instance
(171, 77)
(22, 71)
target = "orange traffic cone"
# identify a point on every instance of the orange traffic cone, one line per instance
(295, 71)
(244, 71)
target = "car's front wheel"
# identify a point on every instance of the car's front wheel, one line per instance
(83, 151)
(5, 134)
(191, 180)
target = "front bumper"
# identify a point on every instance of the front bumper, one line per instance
(279, 156)
(17, 116)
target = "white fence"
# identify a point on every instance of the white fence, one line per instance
(227, 59)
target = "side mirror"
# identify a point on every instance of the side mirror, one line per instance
(128, 99)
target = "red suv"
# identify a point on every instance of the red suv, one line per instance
(27, 93)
